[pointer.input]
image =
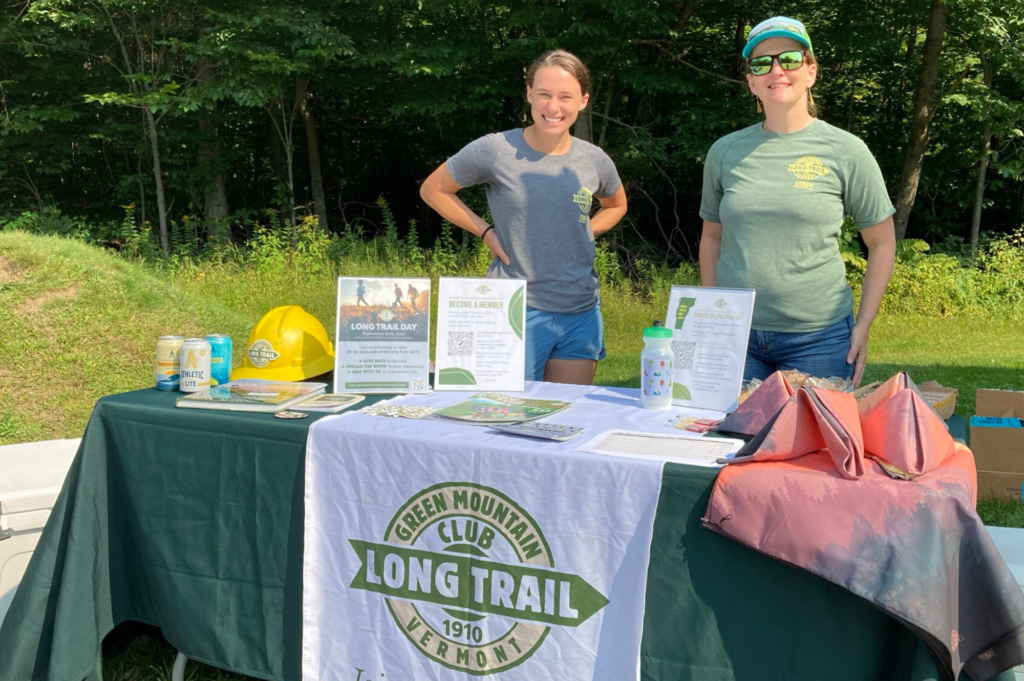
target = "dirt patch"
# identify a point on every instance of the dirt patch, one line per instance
(8, 271)
(33, 305)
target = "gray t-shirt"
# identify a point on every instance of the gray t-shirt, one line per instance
(541, 209)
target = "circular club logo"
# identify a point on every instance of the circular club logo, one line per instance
(808, 168)
(386, 315)
(584, 199)
(261, 353)
(469, 579)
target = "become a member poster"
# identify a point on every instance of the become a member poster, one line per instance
(710, 330)
(481, 332)
(382, 337)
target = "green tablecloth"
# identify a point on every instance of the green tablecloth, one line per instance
(191, 521)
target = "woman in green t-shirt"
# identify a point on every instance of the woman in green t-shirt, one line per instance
(775, 197)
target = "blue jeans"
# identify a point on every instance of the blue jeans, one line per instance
(550, 335)
(815, 353)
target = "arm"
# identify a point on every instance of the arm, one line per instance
(881, 242)
(612, 210)
(710, 252)
(439, 192)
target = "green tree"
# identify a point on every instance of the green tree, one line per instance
(135, 39)
(268, 54)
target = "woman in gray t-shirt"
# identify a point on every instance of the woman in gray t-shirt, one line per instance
(541, 182)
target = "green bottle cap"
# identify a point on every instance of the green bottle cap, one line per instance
(657, 330)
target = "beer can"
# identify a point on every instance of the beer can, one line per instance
(195, 365)
(220, 359)
(168, 349)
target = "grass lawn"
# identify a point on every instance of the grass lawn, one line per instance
(77, 323)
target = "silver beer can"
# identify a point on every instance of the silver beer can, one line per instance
(195, 365)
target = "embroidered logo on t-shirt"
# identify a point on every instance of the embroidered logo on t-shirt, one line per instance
(584, 198)
(807, 168)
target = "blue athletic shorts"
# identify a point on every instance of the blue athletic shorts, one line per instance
(550, 335)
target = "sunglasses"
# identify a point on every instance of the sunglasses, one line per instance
(789, 61)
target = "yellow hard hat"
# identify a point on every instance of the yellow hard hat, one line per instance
(288, 344)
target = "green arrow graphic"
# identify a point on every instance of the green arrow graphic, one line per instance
(519, 591)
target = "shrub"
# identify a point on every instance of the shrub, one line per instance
(939, 282)
(946, 286)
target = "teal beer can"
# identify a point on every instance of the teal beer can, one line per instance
(220, 357)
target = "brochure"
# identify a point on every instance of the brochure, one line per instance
(481, 341)
(382, 337)
(330, 403)
(251, 394)
(710, 330)
(499, 408)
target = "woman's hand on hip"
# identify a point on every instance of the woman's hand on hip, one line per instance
(494, 246)
(858, 354)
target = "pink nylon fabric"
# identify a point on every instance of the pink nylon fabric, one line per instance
(901, 429)
(759, 407)
(806, 490)
(814, 420)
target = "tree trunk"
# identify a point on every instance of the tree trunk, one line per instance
(925, 103)
(609, 95)
(277, 153)
(979, 189)
(583, 128)
(282, 125)
(986, 146)
(1017, 206)
(165, 239)
(316, 179)
(142, 194)
(738, 64)
(215, 203)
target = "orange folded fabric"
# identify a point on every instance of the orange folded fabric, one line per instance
(903, 534)
(904, 434)
(812, 420)
(760, 406)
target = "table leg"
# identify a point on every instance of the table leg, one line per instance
(178, 673)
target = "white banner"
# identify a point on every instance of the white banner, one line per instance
(481, 327)
(710, 331)
(445, 552)
(382, 336)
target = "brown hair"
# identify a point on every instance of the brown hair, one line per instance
(566, 61)
(812, 108)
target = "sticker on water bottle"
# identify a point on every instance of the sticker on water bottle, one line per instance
(657, 377)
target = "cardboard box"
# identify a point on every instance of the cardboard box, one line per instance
(1004, 486)
(941, 398)
(999, 452)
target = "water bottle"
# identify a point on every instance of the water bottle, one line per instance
(656, 367)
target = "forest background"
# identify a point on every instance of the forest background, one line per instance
(191, 125)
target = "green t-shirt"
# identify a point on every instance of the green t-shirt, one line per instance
(781, 200)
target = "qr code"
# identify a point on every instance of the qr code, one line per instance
(417, 384)
(460, 344)
(683, 354)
